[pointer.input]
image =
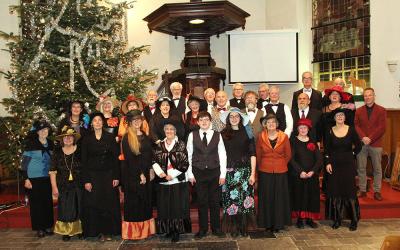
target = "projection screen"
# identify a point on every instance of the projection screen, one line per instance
(263, 56)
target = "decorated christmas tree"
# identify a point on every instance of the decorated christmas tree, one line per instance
(67, 50)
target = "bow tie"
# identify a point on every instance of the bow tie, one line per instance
(176, 99)
(274, 105)
(152, 108)
(221, 109)
(251, 110)
(307, 90)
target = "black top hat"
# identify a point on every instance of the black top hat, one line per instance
(39, 125)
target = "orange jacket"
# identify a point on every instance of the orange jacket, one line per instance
(273, 160)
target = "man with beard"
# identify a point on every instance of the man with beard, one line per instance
(254, 113)
(305, 111)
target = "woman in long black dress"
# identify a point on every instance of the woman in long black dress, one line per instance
(170, 165)
(305, 165)
(65, 175)
(35, 171)
(101, 215)
(165, 104)
(238, 192)
(341, 146)
(138, 220)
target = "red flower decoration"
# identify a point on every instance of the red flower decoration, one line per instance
(112, 122)
(346, 97)
(311, 146)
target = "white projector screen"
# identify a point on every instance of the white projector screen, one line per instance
(263, 56)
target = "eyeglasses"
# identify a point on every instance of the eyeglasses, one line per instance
(237, 89)
(204, 119)
(307, 78)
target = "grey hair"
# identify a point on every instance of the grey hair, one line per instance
(175, 84)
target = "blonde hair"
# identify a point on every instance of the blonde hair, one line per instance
(133, 140)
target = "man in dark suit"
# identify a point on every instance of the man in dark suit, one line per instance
(150, 110)
(263, 95)
(314, 95)
(305, 111)
(370, 124)
(237, 100)
(179, 101)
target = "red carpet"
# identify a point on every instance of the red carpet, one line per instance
(370, 209)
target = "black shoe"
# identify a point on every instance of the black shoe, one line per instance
(218, 233)
(275, 231)
(175, 237)
(169, 235)
(40, 233)
(80, 236)
(49, 231)
(200, 235)
(66, 238)
(244, 233)
(353, 226)
(234, 234)
(336, 224)
(300, 223)
(311, 223)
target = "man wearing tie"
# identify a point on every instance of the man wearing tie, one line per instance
(305, 111)
(207, 168)
(179, 106)
(280, 110)
(150, 110)
(222, 105)
(209, 97)
(254, 113)
(237, 100)
(263, 95)
(314, 95)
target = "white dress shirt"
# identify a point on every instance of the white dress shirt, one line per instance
(252, 115)
(174, 173)
(305, 111)
(221, 151)
(288, 116)
(308, 91)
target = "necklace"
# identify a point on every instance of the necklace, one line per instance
(70, 178)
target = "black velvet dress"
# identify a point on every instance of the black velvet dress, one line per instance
(70, 188)
(305, 199)
(341, 196)
(100, 166)
(138, 220)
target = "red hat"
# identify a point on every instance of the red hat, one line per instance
(343, 95)
(131, 98)
(304, 121)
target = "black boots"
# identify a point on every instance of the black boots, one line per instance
(336, 224)
(353, 225)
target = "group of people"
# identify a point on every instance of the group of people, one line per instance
(168, 151)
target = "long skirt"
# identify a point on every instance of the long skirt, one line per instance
(41, 203)
(101, 207)
(305, 198)
(138, 220)
(273, 201)
(173, 210)
(69, 210)
(238, 201)
(341, 198)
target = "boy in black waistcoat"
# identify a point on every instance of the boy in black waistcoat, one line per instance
(207, 168)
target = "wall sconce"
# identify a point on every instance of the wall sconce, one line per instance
(392, 65)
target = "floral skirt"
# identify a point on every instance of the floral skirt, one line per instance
(238, 200)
